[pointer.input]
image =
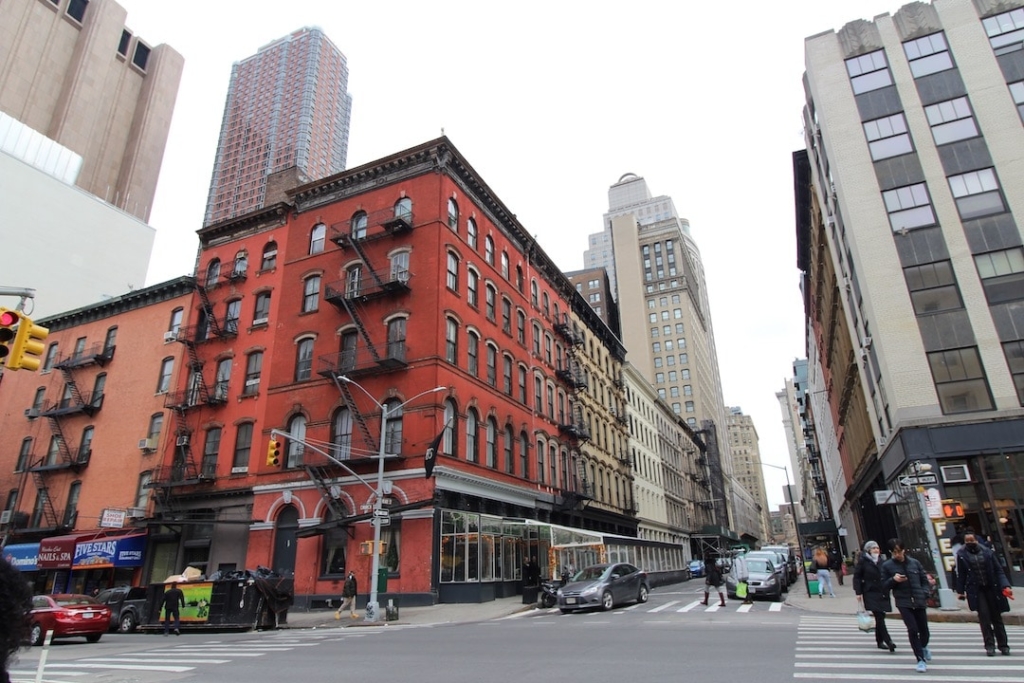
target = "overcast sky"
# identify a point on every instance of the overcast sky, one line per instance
(552, 102)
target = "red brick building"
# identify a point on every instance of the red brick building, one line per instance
(83, 435)
(366, 289)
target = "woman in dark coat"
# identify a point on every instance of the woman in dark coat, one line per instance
(867, 584)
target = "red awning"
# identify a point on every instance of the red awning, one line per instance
(58, 552)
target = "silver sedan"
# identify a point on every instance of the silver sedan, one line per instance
(604, 586)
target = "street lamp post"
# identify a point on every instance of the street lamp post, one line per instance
(796, 525)
(372, 611)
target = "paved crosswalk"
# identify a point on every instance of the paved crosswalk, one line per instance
(831, 648)
(181, 655)
(670, 607)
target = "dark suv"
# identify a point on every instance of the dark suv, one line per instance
(127, 605)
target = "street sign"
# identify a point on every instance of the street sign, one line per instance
(885, 497)
(382, 514)
(919, 479)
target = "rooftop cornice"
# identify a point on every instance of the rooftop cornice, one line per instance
(272, 216)
(140, 298)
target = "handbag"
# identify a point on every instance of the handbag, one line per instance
(741, 589)
(865, 621)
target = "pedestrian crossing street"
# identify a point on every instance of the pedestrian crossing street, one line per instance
(181, 655)
(829, 647)
(671, 607)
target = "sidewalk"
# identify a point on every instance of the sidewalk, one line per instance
(845, 602)
(452, 613)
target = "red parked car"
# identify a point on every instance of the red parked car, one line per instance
(67, 616)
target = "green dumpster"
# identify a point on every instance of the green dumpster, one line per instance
(382, 580)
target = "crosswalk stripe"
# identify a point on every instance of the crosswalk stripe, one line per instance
(744, 608)
(122, 667)
(222, 652)
(665, 606)
(155, 660)
(887, 666)
(689, 607)
(775, 607)
(713, 608)
(891, 676)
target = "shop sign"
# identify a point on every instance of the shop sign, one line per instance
(112, 518)
(22, 556)
(57, 552)
(110, 552)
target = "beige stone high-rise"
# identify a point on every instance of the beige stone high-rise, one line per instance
(73, 71)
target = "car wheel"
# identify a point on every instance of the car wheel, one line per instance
(93, 637)
(642, 597)
(607, 602)
(127, 623)
(35, 634)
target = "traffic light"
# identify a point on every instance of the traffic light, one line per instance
(952, 509)
(28, 347)
(8, 320)
(274, 453)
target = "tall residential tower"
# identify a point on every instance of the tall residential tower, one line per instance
(287, 106)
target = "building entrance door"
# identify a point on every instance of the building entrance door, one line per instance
(285, 541)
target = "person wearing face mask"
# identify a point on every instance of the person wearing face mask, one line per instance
(867, 584)
(906, 579)
(981, 580)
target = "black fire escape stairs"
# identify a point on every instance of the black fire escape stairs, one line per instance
(577, 493)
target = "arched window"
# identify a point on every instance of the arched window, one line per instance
(553, 462)
(317, 237)
(472, 436)
(71, 510)
(85, 446)
(453, 272)
(453, 215)
(400, 267)
(359, 225)
(519, 279)
(156, 424)
(504, 264)
(547, 302)
(347, 348)
(341, 434)
(473, 350)
(304, 360)
(311, 294)
(243, 447)
(233, 311)
(524, 458)
(489, 296)
(521, 326)
(492, 443)
(533, 293)
(396, 339)
(353, 281)
(213, 273)
(489, 250)
(509, 441)
(241, 265)
(403, 209)
(472, 287)
(471, 233)
(451, 339)
(541, 448)
(269, 256)
(393, 432)
(253, 370)
(449, 444)
(98, 387)
(492, 364)
(296, 448)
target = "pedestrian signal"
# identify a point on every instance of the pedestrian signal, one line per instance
(952, 509)
(274, 453)
(26, 351)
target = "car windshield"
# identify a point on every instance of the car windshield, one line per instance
(590, 574)
(757, 565)
(71, 600)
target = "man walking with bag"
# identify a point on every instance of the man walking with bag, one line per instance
(981, 580)
(349, 591)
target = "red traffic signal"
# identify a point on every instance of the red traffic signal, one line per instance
(8, 320)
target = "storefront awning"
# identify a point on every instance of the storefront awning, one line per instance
(92, 549)
(22, 556)
(100, 553)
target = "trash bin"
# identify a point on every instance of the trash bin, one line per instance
(382, 580)
(530, 594)
(391, 610)
(812, 586)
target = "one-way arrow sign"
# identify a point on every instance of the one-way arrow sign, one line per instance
(919, 479)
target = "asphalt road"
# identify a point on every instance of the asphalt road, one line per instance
(670, 638)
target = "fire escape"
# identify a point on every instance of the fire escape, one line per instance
(184, 470)
(579, 491)
(63, 454)
(360, 354)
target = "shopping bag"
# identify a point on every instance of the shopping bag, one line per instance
(865, 621)
(741, 589)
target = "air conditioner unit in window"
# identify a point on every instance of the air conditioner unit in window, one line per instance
(182, 440)
(31, 412)
(170, 336)
(866, 343)
(147, 444)
(136, 513)
(5, 516)
(882, 441)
